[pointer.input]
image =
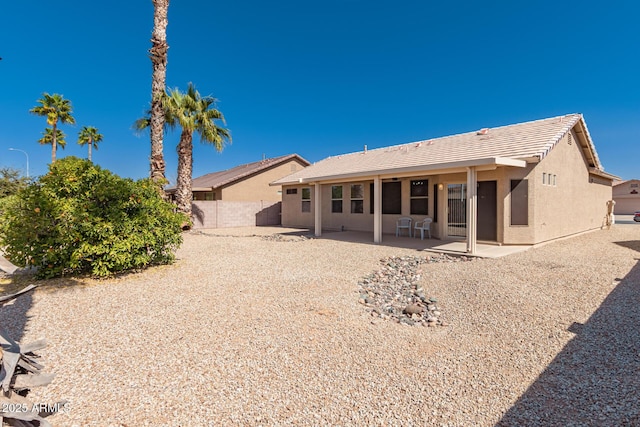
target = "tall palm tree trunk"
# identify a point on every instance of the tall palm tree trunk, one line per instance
(90, 144)
(158, 55)
(184, 195)
(54, 144)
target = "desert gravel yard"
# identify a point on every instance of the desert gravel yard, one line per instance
(248, 330)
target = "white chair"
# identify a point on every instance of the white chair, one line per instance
(403, 222)
(424, 225)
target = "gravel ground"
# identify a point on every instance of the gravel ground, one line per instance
(257, 331)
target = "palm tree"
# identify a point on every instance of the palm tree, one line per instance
(51, 137)
(192, 113)
(90, 136)
(158, 55)
(57, 109)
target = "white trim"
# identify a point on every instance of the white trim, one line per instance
(472, 210)
(377, 209)
(438, 168)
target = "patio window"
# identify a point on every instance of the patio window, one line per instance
(357, 198)
(336, 198)
(519, 202)
(306, 199)
(420, 197)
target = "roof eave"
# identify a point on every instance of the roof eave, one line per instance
(448, 166)
(603, 174)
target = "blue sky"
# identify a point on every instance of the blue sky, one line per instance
(321, 78)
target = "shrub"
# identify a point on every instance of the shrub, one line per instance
(80, 218)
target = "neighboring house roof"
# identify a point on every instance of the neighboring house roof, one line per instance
(616, 183)
(226, 177)
(511, 145)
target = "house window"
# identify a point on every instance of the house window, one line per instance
(420, 197)
(554, 180)
(357, 198)
(544, 178)
(292, 191)
(336, 198)
(519, 202)
(306, 199)
(204, 195)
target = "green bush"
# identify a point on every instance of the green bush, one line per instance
(81, 219)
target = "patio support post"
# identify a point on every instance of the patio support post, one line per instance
(472, 209)
(377, 210)
(318, 209)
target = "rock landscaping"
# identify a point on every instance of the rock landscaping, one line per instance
(394, 293)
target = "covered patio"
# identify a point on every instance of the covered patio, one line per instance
(451, 247)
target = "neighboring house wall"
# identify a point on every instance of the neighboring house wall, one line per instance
(256, 187)
(627, 197)
(222, 214)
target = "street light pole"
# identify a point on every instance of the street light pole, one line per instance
(25, 153)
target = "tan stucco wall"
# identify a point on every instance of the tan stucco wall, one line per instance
(292, 215)
(257, 187)
(626, 202)
(577, 202)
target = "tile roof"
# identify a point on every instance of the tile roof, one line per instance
(218, 179)
(524, 141)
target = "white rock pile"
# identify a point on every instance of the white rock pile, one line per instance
(394, 292)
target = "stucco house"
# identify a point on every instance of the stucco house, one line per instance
(626, 194)
(241, 196)
(520, 184)
(248, 182)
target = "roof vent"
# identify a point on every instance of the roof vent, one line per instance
(483, 131)
(365, 148)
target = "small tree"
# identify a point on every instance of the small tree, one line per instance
(90, 136)
(80, 218)
(11, 182)
(56, 109)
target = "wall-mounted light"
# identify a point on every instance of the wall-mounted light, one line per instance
(440, 186)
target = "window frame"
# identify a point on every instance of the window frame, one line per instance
(336, 202)
(306, 201)
(413, 210)
(357, 203)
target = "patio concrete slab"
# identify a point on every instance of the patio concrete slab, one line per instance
(482, 250)
(457, 247)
